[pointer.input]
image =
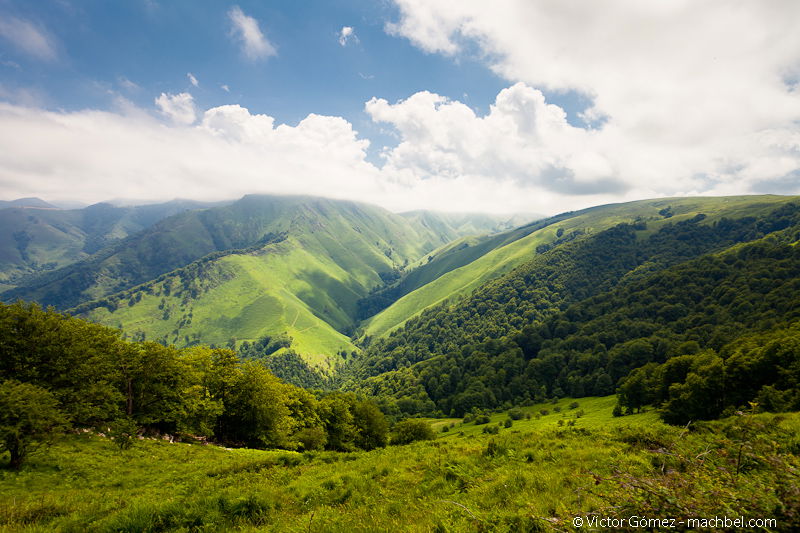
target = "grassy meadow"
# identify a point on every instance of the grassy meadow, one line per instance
(535, 475)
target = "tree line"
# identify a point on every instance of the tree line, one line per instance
(59, 372)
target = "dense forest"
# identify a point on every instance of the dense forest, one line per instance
(59, 372)
(579, 318)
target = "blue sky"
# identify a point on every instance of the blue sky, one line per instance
(471, 105)
(104, 47)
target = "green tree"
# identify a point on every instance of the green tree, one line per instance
(410, 430)
(29, 416)
(372, 427)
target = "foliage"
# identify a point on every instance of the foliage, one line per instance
(544, 330)
(98, 379)
(411, 430)
(29, 416)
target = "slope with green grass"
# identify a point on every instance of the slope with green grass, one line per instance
(383, 239)
(468, 265)
(533, 476)
(304, 283)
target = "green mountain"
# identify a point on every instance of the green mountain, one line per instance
(36, 237)
(500, 344)
(293, 267)
(461, 267)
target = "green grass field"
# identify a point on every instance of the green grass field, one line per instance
(535, 475)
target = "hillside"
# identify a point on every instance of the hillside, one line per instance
(537, 475)
(465, 266)
(293, 267)
(508, 341)
(36, 237)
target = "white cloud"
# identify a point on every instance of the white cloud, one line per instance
(225, 88)
(246, 30)
(28, 38)
(522, 155)
(347, 34)
(694, 96)
(192, 79)
(178, 107)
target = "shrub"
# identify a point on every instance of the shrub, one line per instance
(544, 412)
(481, 419)
(508, 423)
(516, 414)
(410, 430)
(574, 405)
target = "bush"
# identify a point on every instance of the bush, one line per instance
(544, 412)
(123, 431)
(516, 414)
(410, 430)
(557, 409)
(481, 419)
(508, 423)
(574, 405)
(617, 411)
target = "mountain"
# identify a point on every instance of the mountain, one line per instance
(514, 339)
(37, 203)
(37, 237)
(290, 267)
(461, 267)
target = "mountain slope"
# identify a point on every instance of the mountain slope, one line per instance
(291, 267)
(37, 238)
(508, 342)
(490, 258)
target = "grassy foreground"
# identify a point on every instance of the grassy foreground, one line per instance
(535, 475)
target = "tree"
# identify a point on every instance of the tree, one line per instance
(371, 425)
(410, 430)
(29, 415)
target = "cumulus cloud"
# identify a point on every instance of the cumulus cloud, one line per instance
(27, 37)
(177, 107)
(246, 30)
(192, 79)
(347, 34)
(694, 98)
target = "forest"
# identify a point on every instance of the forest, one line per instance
(579, 319)
(58, 372)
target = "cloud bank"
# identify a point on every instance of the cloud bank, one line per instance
(685, 99)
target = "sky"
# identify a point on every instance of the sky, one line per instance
(455, 105)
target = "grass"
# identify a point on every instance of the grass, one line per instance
(463, 280)
(533, 476)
